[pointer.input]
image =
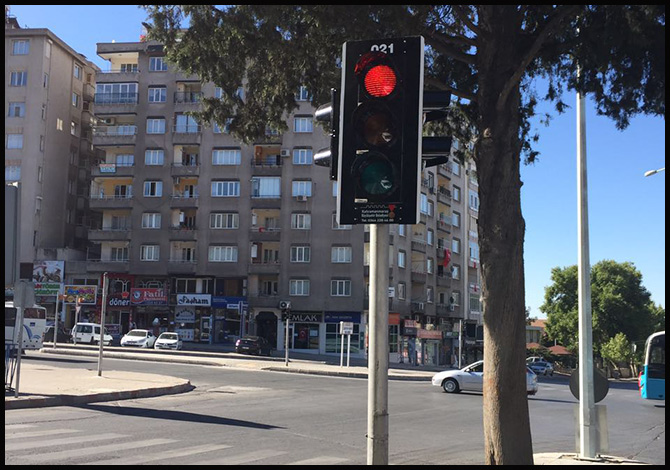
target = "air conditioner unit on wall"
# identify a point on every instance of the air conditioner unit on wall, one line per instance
(285, 152)
(109, 121)
(301, 198)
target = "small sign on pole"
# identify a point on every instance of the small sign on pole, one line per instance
(346, 328)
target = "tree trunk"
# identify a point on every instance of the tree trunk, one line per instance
(501, 232)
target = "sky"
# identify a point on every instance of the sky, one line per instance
(626, 210)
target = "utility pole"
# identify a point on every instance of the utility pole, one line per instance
(105, 282)
(378, 358)
(587, 418)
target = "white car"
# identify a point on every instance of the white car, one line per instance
(168, 340)
(141, 338)
(471, 378)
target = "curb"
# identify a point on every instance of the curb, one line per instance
(73, 400)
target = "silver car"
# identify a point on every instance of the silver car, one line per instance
(472, 378)
(542, 368)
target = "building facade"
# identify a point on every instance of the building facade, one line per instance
(49, 91)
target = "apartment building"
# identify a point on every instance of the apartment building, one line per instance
(48, 111)
(206, 236)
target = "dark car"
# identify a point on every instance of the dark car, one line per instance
(253, 345)
(63, 335)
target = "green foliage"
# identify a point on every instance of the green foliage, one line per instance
(619, 304)
(618, 350)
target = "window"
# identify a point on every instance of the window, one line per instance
(226, 156)
(474, 250)
(124, 159)
(302, 124)
(429, 237)
(299, 287)
(300, 254)
(154, 156)
(151, 220)
(157, 94)
(474, 200)
(119, 253)
(224, 220)
(402, 289)
(266, 187)
(223, 254)
(18, 79)
(155, 125)
(401, 259)
(14, 141)
(303, 94)
(157, 64)
(340, 254)
(302, 156)
(17, 109)
(225, 188)
(153, 188)
(340, 288)
(456, 193)
(149, 252)
(77, 71)
(456, 219)
(301, 221)
(455, 245)
(301, 188)
(337, 226)
(75, 100)
(21, 47)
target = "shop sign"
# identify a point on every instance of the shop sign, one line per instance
(203, 300)
(107, 168)
(336, 317)
(429, 334)
(305, 317)
(184, 315)
(86, 294)
(118, 302)
(185, 334)
(152, 296)
(47, 288)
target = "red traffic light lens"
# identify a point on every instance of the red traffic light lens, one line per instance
(380, 81)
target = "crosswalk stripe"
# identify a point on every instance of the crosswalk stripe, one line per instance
(44, 432)
(75, 453)
(170, 454)
(59, 442)
(320, 461)
(242, 458)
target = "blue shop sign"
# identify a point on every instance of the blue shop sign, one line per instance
(336, 317)
(227, 302)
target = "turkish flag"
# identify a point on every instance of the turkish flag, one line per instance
(447, 257)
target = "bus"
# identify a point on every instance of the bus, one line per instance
(652, 376)
(34, 325)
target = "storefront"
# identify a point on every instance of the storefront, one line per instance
(193, 317)
(333, 341)
(227, 313)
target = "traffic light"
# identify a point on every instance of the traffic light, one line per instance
(330, 114)
(435, 150)
(379, 164)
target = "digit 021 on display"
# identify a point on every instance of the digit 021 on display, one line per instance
(379, 166)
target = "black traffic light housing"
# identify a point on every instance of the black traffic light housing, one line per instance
(330, 114)
(435, 150)
(379, 164)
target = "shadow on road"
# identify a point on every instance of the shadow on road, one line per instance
(176, 416)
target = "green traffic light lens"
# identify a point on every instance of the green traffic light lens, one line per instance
(376, 176)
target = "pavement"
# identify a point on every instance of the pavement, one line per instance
(42, 384)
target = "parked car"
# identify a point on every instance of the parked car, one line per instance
(89, 333)
(471, 378)
(531, 359)
(141, 338)
(63, 335)
(253, 345)
(168, 340)
(542, 368)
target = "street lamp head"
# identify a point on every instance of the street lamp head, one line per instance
(653, 172)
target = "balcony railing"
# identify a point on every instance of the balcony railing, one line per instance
(187, 96)
(116, 98)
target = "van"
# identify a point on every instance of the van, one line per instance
(89, 333)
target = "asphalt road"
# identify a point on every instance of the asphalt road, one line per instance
(257, 417)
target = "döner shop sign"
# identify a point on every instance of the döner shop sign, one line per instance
(203, 300)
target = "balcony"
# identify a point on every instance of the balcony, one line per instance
(179, 169)
(114, 135)
(260, 267)
(114, 103)
(181, 266)
(113, 169)
(183, 233)
(187, 97)
(265, 234)
(109, 234)
(187, 134)
(107, 265)
(101, 202)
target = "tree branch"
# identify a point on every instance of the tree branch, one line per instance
(549, 29)
(440, 85)
(438, 43)
(463, 16)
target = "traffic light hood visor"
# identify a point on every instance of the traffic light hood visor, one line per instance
(375, 71)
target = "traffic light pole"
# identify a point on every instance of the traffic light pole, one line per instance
(378, 357)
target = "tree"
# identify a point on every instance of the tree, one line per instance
(617, 350)
(487, 56)
(619, 304)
